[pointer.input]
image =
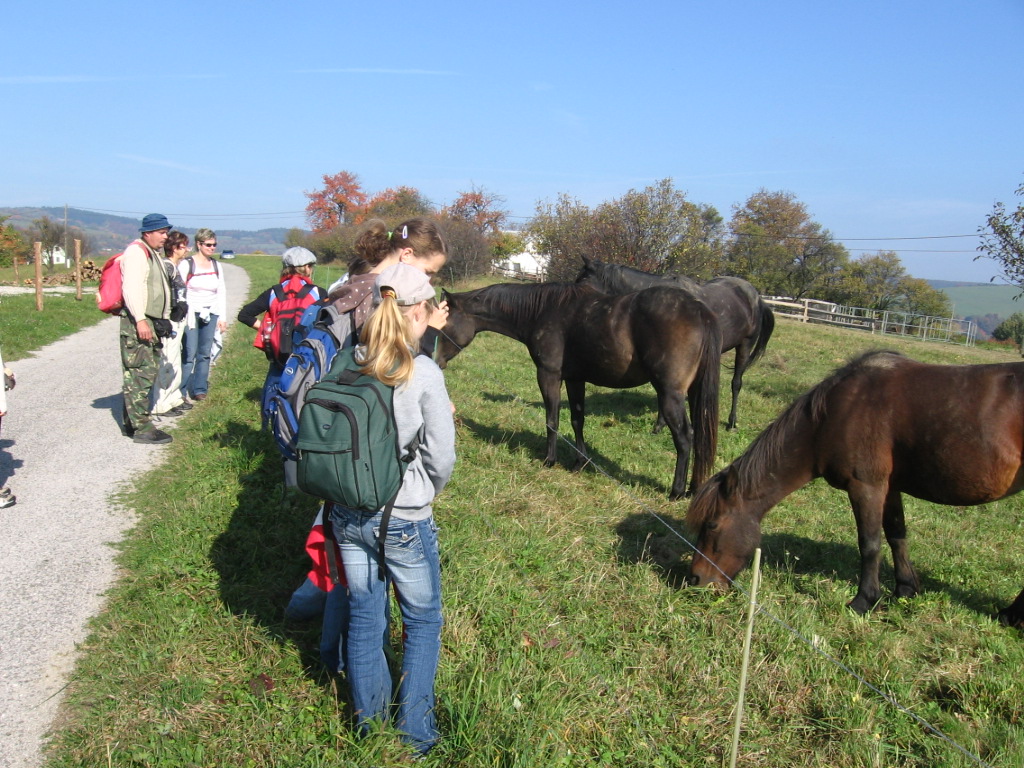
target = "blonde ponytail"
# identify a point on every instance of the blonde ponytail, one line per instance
(387, 338)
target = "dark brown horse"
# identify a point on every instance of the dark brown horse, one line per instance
(578, 335)
(746, 321)
(880, 426)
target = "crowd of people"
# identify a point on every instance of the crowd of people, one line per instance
(174, 306)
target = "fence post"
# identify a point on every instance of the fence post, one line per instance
(39, 276)
(78, 270)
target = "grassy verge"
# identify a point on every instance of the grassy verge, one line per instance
(23, 328)
(568, 641)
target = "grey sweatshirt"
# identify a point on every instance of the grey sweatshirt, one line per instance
(422, 406)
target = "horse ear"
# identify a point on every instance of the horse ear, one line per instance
(727, 482)
(586, 260)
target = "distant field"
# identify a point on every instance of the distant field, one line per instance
(981, 298)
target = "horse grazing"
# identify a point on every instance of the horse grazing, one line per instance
(746, 321)
(880, 426)
(578, 335)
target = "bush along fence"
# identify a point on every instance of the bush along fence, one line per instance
(880, 321)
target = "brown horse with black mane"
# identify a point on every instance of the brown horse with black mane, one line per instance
(881, 426)
(578, 335)
(746, 320)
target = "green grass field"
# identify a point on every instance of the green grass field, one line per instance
(994, 299)
(568, 640)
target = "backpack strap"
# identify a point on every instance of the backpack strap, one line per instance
(330, 544)
(192, 268)
(276, 292)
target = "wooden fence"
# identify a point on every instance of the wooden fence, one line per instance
(877, 321)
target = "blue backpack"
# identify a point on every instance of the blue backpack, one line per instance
(320, 333)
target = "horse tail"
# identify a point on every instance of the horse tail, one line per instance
(704, 393)
(767, 327)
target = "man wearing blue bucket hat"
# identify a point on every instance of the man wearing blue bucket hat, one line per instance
(144, 322)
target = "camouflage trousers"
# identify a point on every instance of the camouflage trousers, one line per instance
(140, 362)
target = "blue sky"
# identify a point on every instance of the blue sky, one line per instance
(888, 120)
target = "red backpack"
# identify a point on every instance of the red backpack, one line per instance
(287, 303)
(109, 296)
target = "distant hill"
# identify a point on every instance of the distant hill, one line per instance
(108, 233)
(988, 304)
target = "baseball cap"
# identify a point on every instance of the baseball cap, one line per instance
(408, 285)
(297, 256)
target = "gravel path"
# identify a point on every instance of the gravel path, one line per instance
(63, 455)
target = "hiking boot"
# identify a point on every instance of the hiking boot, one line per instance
(152, 436)
(200, 396)
(175, 411)
(184, 405)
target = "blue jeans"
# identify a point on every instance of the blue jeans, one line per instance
(413, 564)
(195, 366)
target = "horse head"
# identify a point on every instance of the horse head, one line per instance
(457, 332)
(590, 274)
(727, 531)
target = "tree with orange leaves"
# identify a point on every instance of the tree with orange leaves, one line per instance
(340, 201)
(479, 208)
(398, 203)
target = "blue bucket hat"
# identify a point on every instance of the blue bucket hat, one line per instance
(153, 222)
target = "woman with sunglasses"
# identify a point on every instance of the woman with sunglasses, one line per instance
(206, 294)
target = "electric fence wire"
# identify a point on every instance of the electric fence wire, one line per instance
(814, 647)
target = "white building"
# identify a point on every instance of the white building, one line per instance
(527, 264)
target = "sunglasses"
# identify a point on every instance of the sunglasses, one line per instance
(209, 245)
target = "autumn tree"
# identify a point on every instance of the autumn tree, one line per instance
(1011, 329)
(780, 249)
(920, 298)
(12, 244)
(566, 231)
(655, 229)
(1002, 239)
(399, 203)
(469, 251)
(879, 281)
(479, 208)
(341, 200)
(51, 235)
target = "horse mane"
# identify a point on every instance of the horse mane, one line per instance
(522, 303)
(607, 273)
(764, 452)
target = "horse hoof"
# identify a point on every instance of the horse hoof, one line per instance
(549, 463)
(860, 606)
(1009, 618)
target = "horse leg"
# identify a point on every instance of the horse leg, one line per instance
(867, 504)
(551, 393)
(659, 423)
(672, 405)
(739, 365)
(895, 526)
(576, 393)
(1013, 615)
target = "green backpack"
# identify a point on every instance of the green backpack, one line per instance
(347, 445)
